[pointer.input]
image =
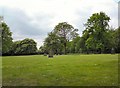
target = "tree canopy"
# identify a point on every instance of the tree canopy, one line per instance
(6, 38)
(96, 31)
(66, 32)
(97, 37)
(26, 46)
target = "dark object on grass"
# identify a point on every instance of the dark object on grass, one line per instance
(50, 56)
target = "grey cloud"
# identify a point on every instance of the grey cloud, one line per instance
(22, 27)
(119, 13)
(20, 22)
(84, 14)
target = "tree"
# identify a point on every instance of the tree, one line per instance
(66, 32)
(73, 46)
(49, 44)
(1, 35)
(6, 37)
(52, 44)
(24, 47)
(96, 30)
(110, 43)
(117, 39)
(41, 50)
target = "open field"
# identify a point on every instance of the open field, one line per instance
(64, 70)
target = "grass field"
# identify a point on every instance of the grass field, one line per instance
(64, 70)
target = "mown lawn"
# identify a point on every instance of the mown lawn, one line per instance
(64, 70)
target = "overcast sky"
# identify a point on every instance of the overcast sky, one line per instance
(36, 18)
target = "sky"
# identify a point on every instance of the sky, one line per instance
(36, 18)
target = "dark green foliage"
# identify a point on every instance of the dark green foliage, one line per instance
(73, 46)
(97, 37)
(117, 40)
(26, 46)
(96, 32)
(58, 40)
(66, 32)
(6, 37)
(52, 44)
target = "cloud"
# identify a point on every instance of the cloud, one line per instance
(23, 26)
(35, 18)
(88, 7)
(119, 14)
(20, 22)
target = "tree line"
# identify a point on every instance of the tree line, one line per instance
(22, 47)
(98, 37)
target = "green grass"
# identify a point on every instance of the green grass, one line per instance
(64, 70)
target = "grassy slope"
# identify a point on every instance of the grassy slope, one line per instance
(69, 70)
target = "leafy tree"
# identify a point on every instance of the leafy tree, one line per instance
(49, 44)
(0, 35)
(110, 43)
(117, 40)
(6, 37)
(74, 46)
(81, 42)
(53, 44)
(42, 49)
(96, 30)
(66, 32)
(90, 44)
(26, 46)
